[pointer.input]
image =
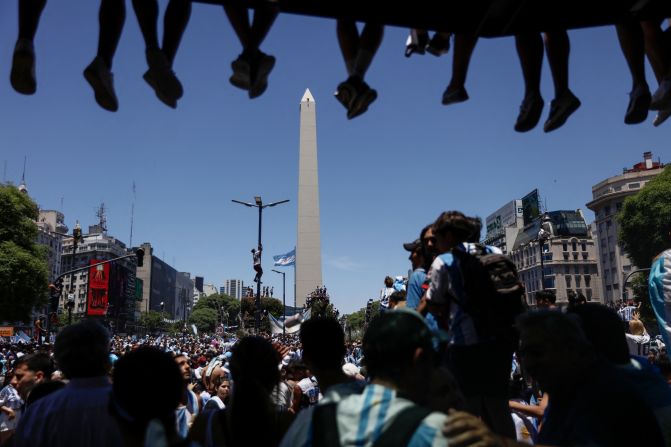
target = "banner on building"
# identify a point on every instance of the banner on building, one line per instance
(98, 293)
(286, 259)
(531, 207)
(6, 331)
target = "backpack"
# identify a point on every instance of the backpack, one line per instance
(494, 294)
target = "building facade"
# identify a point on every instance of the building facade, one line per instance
(118, 278)
(234, 288)
(51, 230)
(159, 290)
(184, 296)
(569, 257)
(503, 225)
(607, 198)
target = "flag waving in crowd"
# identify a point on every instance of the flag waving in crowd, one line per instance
(286, 259)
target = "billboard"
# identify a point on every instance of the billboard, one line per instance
(505, 216)
(98, 293)
(531, 206)
(6, 331)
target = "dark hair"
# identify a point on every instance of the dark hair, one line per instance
(82, 350)
(391, 339)
(40, 361)
(399, 295)
(254, 370)
(133, 402)
(388, 281)
(323, 343)
(43, 389)
(549, 295)
(603, 328)
(476, 229)
(456, 223)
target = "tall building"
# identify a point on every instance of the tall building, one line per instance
(569, 255)
(183, 296)
(51, 228)
(234, 288)
(503, 225)
(308, 247)
(114, 281)
(607, 198)
(159, 280)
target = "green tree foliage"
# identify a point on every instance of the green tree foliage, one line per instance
(226, 307)
(204, 318)
(154, 321)
(357, 320)
(645, 220)
(272, 305)
(24, 271)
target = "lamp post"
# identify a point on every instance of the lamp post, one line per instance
(76, 237)
(258, 203)
(284, 303)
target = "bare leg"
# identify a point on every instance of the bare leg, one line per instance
(29, 17)
(176, 18)
(557, 46)
(530, 52)
(22, 76)
(656, 49)
(239, 18)
(348, 40)
(146, 12)
(464, 44)
(631, 40)
(111, 17)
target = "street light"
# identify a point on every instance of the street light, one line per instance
(258, 203)
(543, 235)
(284, 303)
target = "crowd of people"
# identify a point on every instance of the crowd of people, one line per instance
(250, 71)
(438, 369)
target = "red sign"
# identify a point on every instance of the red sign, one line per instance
(98, 298)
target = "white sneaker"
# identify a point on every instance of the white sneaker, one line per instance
(661, 99)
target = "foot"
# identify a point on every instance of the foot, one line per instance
(661, 99)
(560, 109)
(162, 79)
(454, 95)
(439, 45)
(347, 91)
(22, 76)
(241, 77)
(662, 116)
(101, 80)
(530, 112)
(364, 98)
(262, 65)
(416, 43)
(639, 103)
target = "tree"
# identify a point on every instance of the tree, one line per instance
(645, 220)
(226, 307)
(357, 320)
(154, 321)
(204, 318)
(24, 271)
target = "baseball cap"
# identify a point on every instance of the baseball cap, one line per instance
(412, 246)
(350, 369)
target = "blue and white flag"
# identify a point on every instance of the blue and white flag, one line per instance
(285, 260)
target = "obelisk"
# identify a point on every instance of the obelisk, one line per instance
(308, 246)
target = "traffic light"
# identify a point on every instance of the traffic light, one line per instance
(139, 253)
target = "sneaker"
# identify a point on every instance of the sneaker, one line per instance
(560, 109)
(416, 43)
(439, 45)
(364, 98)
(639, 103)
(162, 79)
(346, 92)
(22, 76)
(662, 116)
(261, 69)
(453, 96)
(101, 80)
(530, 112)
(661, 99)
(241, 77)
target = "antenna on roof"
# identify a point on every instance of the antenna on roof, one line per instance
(132, 216)
(102, 218)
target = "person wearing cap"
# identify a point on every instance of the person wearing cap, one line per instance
(480, 363)
(399, 357)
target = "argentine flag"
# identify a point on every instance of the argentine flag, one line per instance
(285, 260)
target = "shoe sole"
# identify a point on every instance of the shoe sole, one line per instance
(661, 117)
(170, 102)
(103, 98)
(454, 97)
(637, 112)
(260, 84)
(561, 120)
(240, 78)
(21, 77)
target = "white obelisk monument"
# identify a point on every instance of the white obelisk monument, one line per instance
(308, 246)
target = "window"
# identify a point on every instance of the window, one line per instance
(609, 223)
(574, 245)
(603, 242)
(618, 206)
(565, 256)
(550, 282)
(618, 188)
(564, 246)
(606, 210)
(608, 287)
(616, 286)
(567, 269)
(583, 245)
(575, 256)
(576, 269)
(588, 281)
(585, 269)
(585, 255)
(605, 274)
(578, 281)
(568, 282)
(589, 294)
(626, 268)
(634, 185)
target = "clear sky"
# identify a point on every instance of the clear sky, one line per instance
(383, 176)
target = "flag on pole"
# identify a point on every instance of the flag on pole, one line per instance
(286, 259)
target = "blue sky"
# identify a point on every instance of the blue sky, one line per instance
(383, 175)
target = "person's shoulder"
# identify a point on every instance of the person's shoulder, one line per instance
(430, 431)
